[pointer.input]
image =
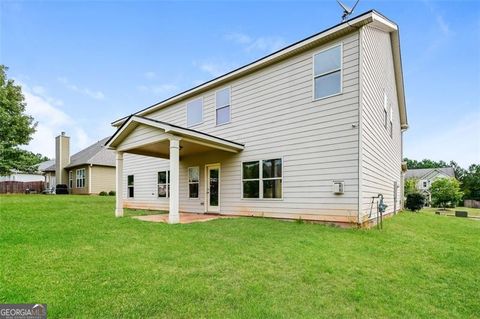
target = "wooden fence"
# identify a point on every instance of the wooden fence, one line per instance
(471, 203)
(11, 187)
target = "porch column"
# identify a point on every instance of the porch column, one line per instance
(119, 185)
(173, 215)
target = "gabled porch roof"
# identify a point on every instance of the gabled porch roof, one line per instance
(153, 140)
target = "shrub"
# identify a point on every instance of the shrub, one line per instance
(111, 193)
(102, 193)
(415, 201)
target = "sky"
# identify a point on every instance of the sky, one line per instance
(84, 64)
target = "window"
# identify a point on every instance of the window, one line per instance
(327, 75)
(385, 113)
(424, 184)
(70, 179)
(193, 181)
(164, 184)
(262, 179)
(195, 112)
(391, 121)
(222, 106)
(130, 186)
(80, 178)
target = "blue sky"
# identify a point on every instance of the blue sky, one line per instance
(83, 64)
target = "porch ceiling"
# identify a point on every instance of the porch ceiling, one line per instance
(145, 136)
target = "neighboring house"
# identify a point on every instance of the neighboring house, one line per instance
(48, 172)
(89, 171)
(312, 131)
(17, 176)
(426, 176)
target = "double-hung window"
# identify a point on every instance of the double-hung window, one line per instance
(164, 184)
(193, 181)
(70, 179)
(130, 186)
(385, 112)
(262, 179)
(80, 181)
(222, 106)
(327, 75)
(391, 121)
(195, 112)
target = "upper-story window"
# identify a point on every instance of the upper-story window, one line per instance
(222, 106)
(328, 72)
(195, 112)
(391, 121)
(385, 112)
(425, 184)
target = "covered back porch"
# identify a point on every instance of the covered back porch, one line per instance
(149, 137)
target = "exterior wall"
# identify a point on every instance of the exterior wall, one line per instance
(273, 113)
(381, 154)
(430, 179)
(102, 179)
(79, 190)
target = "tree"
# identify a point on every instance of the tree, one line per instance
(415, 201)
(471, 182)
(410, 186)
(425, 163)
(445, 191)
(16, 128)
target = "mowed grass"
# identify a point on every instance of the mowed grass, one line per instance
(472, 212)
(71, 253)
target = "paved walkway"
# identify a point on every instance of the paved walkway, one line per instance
(185, 218)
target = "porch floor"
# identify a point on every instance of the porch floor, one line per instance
(185, 218)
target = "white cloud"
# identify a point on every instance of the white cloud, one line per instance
(97, 95)
(458, 141)
(51, 121)
(165, 88)
(150, 75)
(261, 44)
(215, 68)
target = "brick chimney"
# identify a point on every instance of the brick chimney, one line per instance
(62, 157)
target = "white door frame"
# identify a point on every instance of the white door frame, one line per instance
(207, 188)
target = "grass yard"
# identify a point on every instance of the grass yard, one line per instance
(472, 212)
(71, 253)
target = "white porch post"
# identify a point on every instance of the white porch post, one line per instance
(173, 215)
(119, 185)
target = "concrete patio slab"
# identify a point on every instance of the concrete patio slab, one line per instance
(185, 218)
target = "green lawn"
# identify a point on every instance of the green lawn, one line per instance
(472, 212)
(71, 253)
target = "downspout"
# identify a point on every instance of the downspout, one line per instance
(360, 126)
(90, 179)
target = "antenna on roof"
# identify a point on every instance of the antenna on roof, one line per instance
(346, 10)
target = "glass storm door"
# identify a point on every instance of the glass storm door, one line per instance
(213, 187)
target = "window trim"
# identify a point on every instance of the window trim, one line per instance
(132, 186)
(188, 182)
(70, 179)
(229, 87)
(340, 44)
(186, 110)
(80, 179)
(167, 184)
(391, 121)
(261, 179)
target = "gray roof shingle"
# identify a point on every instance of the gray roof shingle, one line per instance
(96, 154)
(420, 172)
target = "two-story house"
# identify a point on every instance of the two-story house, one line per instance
(312, 131)
(424, 177)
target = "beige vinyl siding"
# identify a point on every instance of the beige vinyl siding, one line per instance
(102, 179)
(273, 113)
(381, 154)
